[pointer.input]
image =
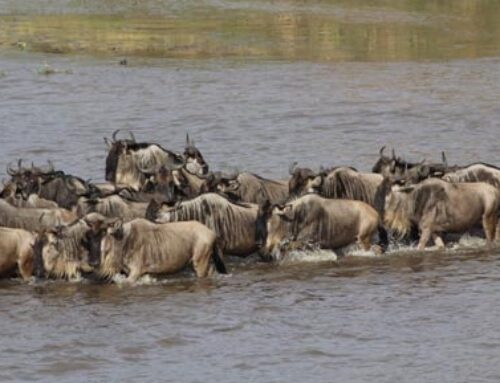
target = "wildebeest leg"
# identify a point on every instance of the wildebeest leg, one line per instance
(497, 236)
(201, 259)
(489, 226)
(424, 238)
(134, 274)
(25, 266)
(364, 241)
(438, 241)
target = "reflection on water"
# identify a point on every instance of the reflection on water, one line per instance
(290, 30)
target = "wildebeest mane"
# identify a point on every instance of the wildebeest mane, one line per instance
(227, 219)
(343, 185)
(475, 175)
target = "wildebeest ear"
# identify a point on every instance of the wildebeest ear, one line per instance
(285, 212)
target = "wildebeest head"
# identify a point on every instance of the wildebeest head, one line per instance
(303, 180)
(47, 250)
(385, 165)
(278, 226)
(165, 183)
(195, 163)
(229, 185)
(92, 240)
(105, 254)
(116, 148)
(396, 215)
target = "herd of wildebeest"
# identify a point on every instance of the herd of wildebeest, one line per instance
(160, 211)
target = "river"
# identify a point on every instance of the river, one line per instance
(258, 85)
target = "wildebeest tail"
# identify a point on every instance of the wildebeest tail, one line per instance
(217, 258)
(383, 237)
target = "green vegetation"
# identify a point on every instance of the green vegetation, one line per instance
(317, 30)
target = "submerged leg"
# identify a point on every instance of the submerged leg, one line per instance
(489, 226)
(438, 241)
(424, 238)
(201, 261)
(134, 274)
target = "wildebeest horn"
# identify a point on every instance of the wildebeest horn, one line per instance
(188, 142)
(10, 171)
(393, 154)
(381, 151)
(113, 136)
(132, 137)
(19, 163)
(445, 160)
(51, 166)
(292, 167)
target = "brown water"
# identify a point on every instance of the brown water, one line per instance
(259, 84)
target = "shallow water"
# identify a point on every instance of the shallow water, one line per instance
(261, 94)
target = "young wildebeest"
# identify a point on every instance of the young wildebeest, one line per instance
(338, 183)
(233, 223)
(329, 223)
(62, 252)
(16, 252)
(141, 247)
(33, 219)
(437, 207)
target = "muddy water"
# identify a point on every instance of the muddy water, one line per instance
(259, 85)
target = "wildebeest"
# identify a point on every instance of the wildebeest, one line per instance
(477, 172)
(234, 223)
(339, 183)
(418, 171)
(437, 207)
(33, 219)
(195, 163)
(113, 206)
(129, 162)
(141, 247)
(251, 188)
(329, 223)
(16, 252)
(12, 196)
(63, 189)
(62, 252)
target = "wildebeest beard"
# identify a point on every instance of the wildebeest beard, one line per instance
(38, 267)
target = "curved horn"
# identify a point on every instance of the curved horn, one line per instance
(132, 137)
(19, 163)
(393, 154)
(10, 171)
(381, 151)
(188, 142)
(292, 167)
(445, 160)
(113, 136)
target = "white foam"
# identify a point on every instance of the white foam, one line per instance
(311, 256)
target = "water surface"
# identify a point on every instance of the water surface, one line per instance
(258, 84)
